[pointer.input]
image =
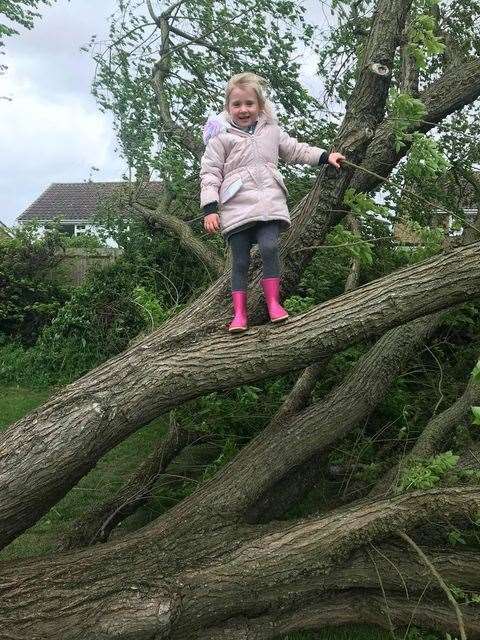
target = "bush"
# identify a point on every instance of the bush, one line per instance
(98, 322)
(29, 299)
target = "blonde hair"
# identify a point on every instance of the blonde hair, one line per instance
(258, 84)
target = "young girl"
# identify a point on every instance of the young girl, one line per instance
(242, 191)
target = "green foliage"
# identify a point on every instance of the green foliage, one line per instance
(172, 273)
(425, 160)
(229, 451)
(357, 248)
(154, 310)
(327, 273)
(464, 597)
(344, 46)
(414, 633)
(476, 415)
(430, 242)
(263, 40)
(348, 632)
(20, 12)
(405, 111)
(90, 323)
(426, 474)
(18, 366)
(476, 371)
(296, 305)
(98, 321)
(455, 537)
(85, 240)
(363, 205)
(423, 42)
(28, 297)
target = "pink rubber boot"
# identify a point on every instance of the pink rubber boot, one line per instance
(271, 291)
(240, 320)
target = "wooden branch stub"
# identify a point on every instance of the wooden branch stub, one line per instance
(380, 69)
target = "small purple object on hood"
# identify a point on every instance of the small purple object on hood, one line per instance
(215, 124)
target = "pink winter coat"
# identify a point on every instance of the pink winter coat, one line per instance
(239, 171)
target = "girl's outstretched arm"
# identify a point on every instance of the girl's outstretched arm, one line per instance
(292, 151)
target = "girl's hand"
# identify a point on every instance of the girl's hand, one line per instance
(211, 222)
(335, 158)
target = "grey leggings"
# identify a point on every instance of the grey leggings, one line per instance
(266, 235)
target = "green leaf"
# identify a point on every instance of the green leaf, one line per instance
(476, 415)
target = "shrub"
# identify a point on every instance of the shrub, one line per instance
(29, 299)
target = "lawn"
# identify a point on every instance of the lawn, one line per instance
(15, 402)
(108, 475)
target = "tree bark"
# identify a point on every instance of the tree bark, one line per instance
(457, 87)
(45, 454)
(194, 571)
(190, 582)
(316, 429)
(351, 607)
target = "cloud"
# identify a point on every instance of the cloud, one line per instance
(52, 131)
(49, 139)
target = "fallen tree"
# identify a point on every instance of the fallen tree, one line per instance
(79, 425)
(215, 566)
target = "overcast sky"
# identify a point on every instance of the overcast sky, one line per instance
(52, 129)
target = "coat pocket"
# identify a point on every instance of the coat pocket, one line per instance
(279, 179)
(230, 190)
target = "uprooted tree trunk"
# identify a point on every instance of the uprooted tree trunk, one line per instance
(178, 580)
(77, 426)
(208, 569)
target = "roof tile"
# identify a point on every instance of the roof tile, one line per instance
(76, 200)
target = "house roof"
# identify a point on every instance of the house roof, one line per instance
(77, 201)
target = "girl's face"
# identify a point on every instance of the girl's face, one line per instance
(243, 106)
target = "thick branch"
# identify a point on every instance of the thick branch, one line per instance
(353, 607)
(281, 447)
(184, 234)
(96, 412)
(133, 596)
(409, 71)
(457, 87)
(354, 273)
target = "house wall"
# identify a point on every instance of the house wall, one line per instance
(77, 228)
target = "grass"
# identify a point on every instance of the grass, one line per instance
(15, 402)
(108, 475)
(354, 632)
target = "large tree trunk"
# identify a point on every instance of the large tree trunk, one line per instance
(44, 454)
(176, 581)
